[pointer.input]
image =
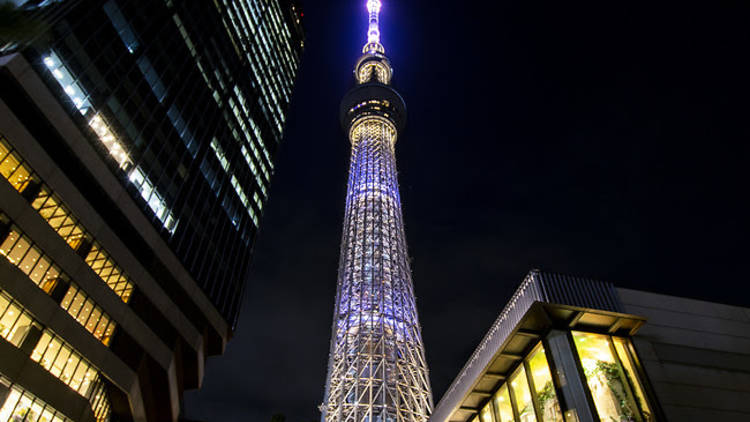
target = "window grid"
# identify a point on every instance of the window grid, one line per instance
(55, 356)
(39, 267)
(61, 219)
(20, 405)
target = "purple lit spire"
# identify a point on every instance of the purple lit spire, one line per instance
(376, 370)
(373, 31)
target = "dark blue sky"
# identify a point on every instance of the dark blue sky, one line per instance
(604, 139)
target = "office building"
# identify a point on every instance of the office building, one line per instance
(137, 149)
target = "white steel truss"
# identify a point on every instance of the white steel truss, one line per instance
(377, 370)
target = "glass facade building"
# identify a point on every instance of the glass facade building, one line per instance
(137, 149)
(570, 349)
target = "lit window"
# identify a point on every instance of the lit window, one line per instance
(113, 145)
(485, 415)
(522, 395)
(15, 322)
(153, 199)
(66, 81)
(544, 389)
(605, 378)
(503, 408)
(23, 406)
(627, 357)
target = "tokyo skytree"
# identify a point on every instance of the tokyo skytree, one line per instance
(376, 370)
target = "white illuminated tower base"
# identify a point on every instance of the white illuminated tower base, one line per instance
(377, 370)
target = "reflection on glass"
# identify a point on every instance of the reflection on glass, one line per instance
(522, 394)
(606, 382)
(503, 408)
(621, 346)
(485, 415)
(544, 389)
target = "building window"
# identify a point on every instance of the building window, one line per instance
(485, 415)
(15, 322)
(51, 208)
(503, 408)
(610, 388)
(39, 267)
(543, 387)
(627, 357)
(21, 252)
(519, 386)
(22, 406)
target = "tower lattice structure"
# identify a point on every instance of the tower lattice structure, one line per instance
(377, 370)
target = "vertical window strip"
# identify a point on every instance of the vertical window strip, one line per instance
(20, 251)
(61, 219)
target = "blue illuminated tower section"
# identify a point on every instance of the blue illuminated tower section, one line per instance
(377, 370)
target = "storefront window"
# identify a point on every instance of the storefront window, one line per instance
(486, 414)
(544, 389)
(609, 387)
(503, 408)
(628, 362)
(522, 395)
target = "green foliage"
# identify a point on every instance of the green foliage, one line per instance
(547, 393)
(614, 379)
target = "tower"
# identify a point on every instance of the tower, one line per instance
(377, 370)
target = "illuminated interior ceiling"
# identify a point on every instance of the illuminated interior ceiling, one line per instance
(377, 369)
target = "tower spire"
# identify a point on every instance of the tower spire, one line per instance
(376, 369)
(373, 28)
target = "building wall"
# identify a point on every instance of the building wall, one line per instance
(114, 74)
(696, 355)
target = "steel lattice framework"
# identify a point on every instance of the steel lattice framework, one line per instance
(377, 370)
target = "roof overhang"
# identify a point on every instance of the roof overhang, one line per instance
(543, 302)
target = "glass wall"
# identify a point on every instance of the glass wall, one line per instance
(39, 267)
(543, 387)
(20, 405)
(611, 371)
(519, 386)
(529, 395)
(503, 407)
(51, 208)
(611, 378)
(65, 363)
(56, 357)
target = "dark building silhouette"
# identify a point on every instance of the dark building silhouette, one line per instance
(137, 149)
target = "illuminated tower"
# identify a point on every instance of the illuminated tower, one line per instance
(377, 370)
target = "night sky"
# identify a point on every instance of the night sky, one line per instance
(603, 139)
